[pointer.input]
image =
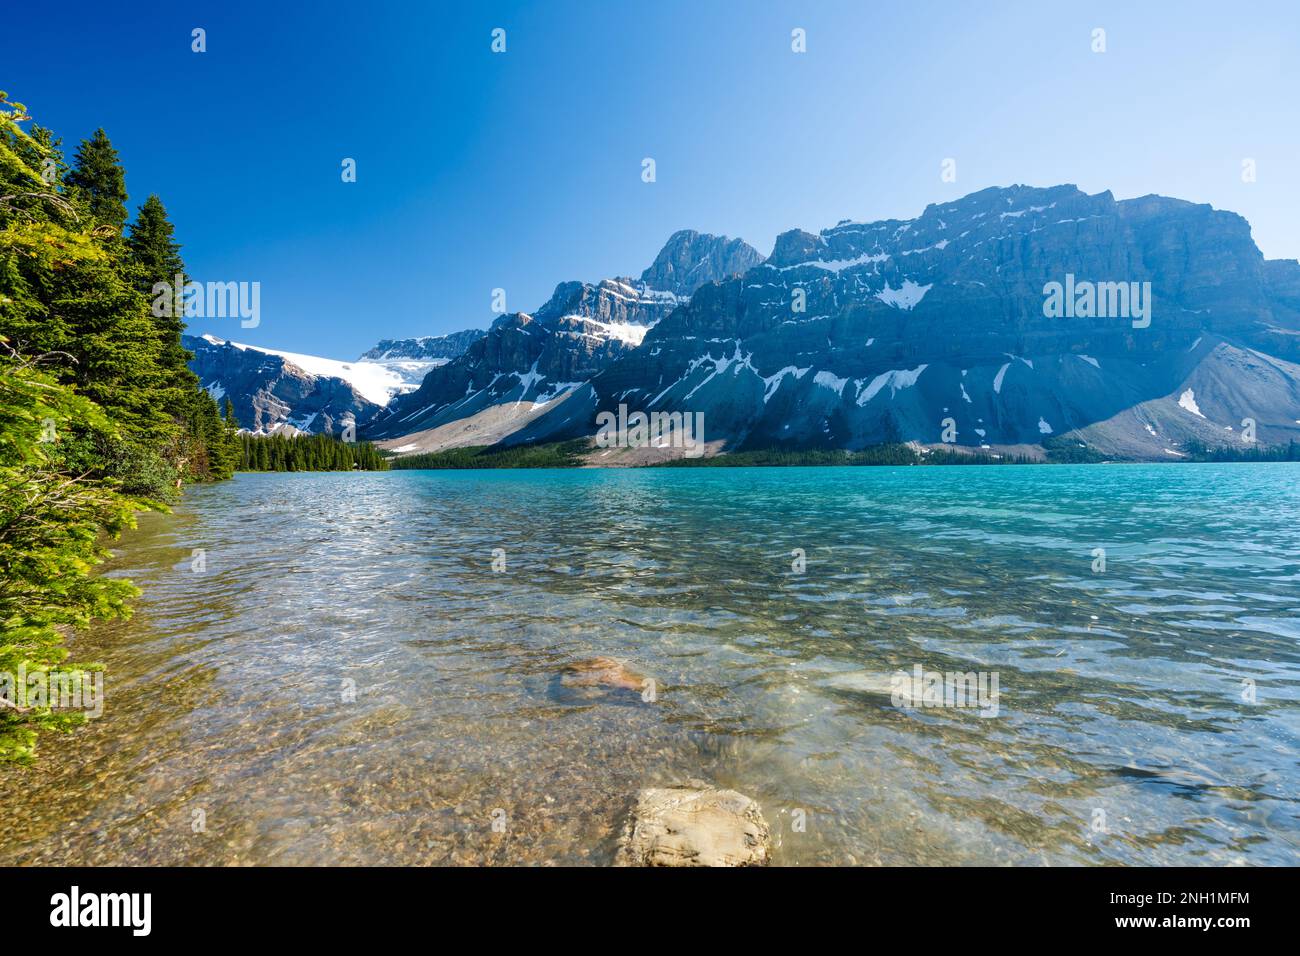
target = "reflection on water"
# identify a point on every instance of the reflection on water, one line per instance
(350, 681)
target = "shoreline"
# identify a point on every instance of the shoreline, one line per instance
(577, 454)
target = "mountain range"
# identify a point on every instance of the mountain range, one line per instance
(937, 330)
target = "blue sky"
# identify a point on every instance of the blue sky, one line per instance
(478, 170)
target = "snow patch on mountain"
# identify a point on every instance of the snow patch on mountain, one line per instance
(839, 265)
(1187, 400)
(627, 332)
(773, 382)
(906, 297)
(896, 379)
(833, 382)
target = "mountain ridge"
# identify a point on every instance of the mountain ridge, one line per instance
(934, 330)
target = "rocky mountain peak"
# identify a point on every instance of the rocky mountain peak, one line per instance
(690, 259)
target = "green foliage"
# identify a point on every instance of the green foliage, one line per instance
(156, 259)
(152, 244)
(555, 455)
(70, 284)
(99, 415)
(305, 453)
(52, 519)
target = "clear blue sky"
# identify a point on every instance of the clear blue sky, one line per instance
(519, 170)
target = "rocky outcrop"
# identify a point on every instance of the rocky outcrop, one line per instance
(695, 826)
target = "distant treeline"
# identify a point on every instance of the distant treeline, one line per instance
(307, 453)
(557, 455)
(1058, 451)
(890, 454)
(1197, 451)
(1071, 451)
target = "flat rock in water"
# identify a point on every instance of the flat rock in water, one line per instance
(602, 672)
(695, 826)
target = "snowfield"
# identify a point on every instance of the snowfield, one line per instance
(376, 382)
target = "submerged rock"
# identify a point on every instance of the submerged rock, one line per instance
(602, 672)
(695, 826)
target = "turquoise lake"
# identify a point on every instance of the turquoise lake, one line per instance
(368, 668)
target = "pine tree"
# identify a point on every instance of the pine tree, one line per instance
(157, 260)
(153, 246)
(98, 178)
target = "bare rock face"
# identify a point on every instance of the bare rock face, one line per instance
(695, 826)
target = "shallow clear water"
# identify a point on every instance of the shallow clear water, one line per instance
(1124, 730)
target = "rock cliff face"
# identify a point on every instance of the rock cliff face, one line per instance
(527, 362)
(940, 328)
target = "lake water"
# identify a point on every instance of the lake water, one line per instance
(349, 679)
